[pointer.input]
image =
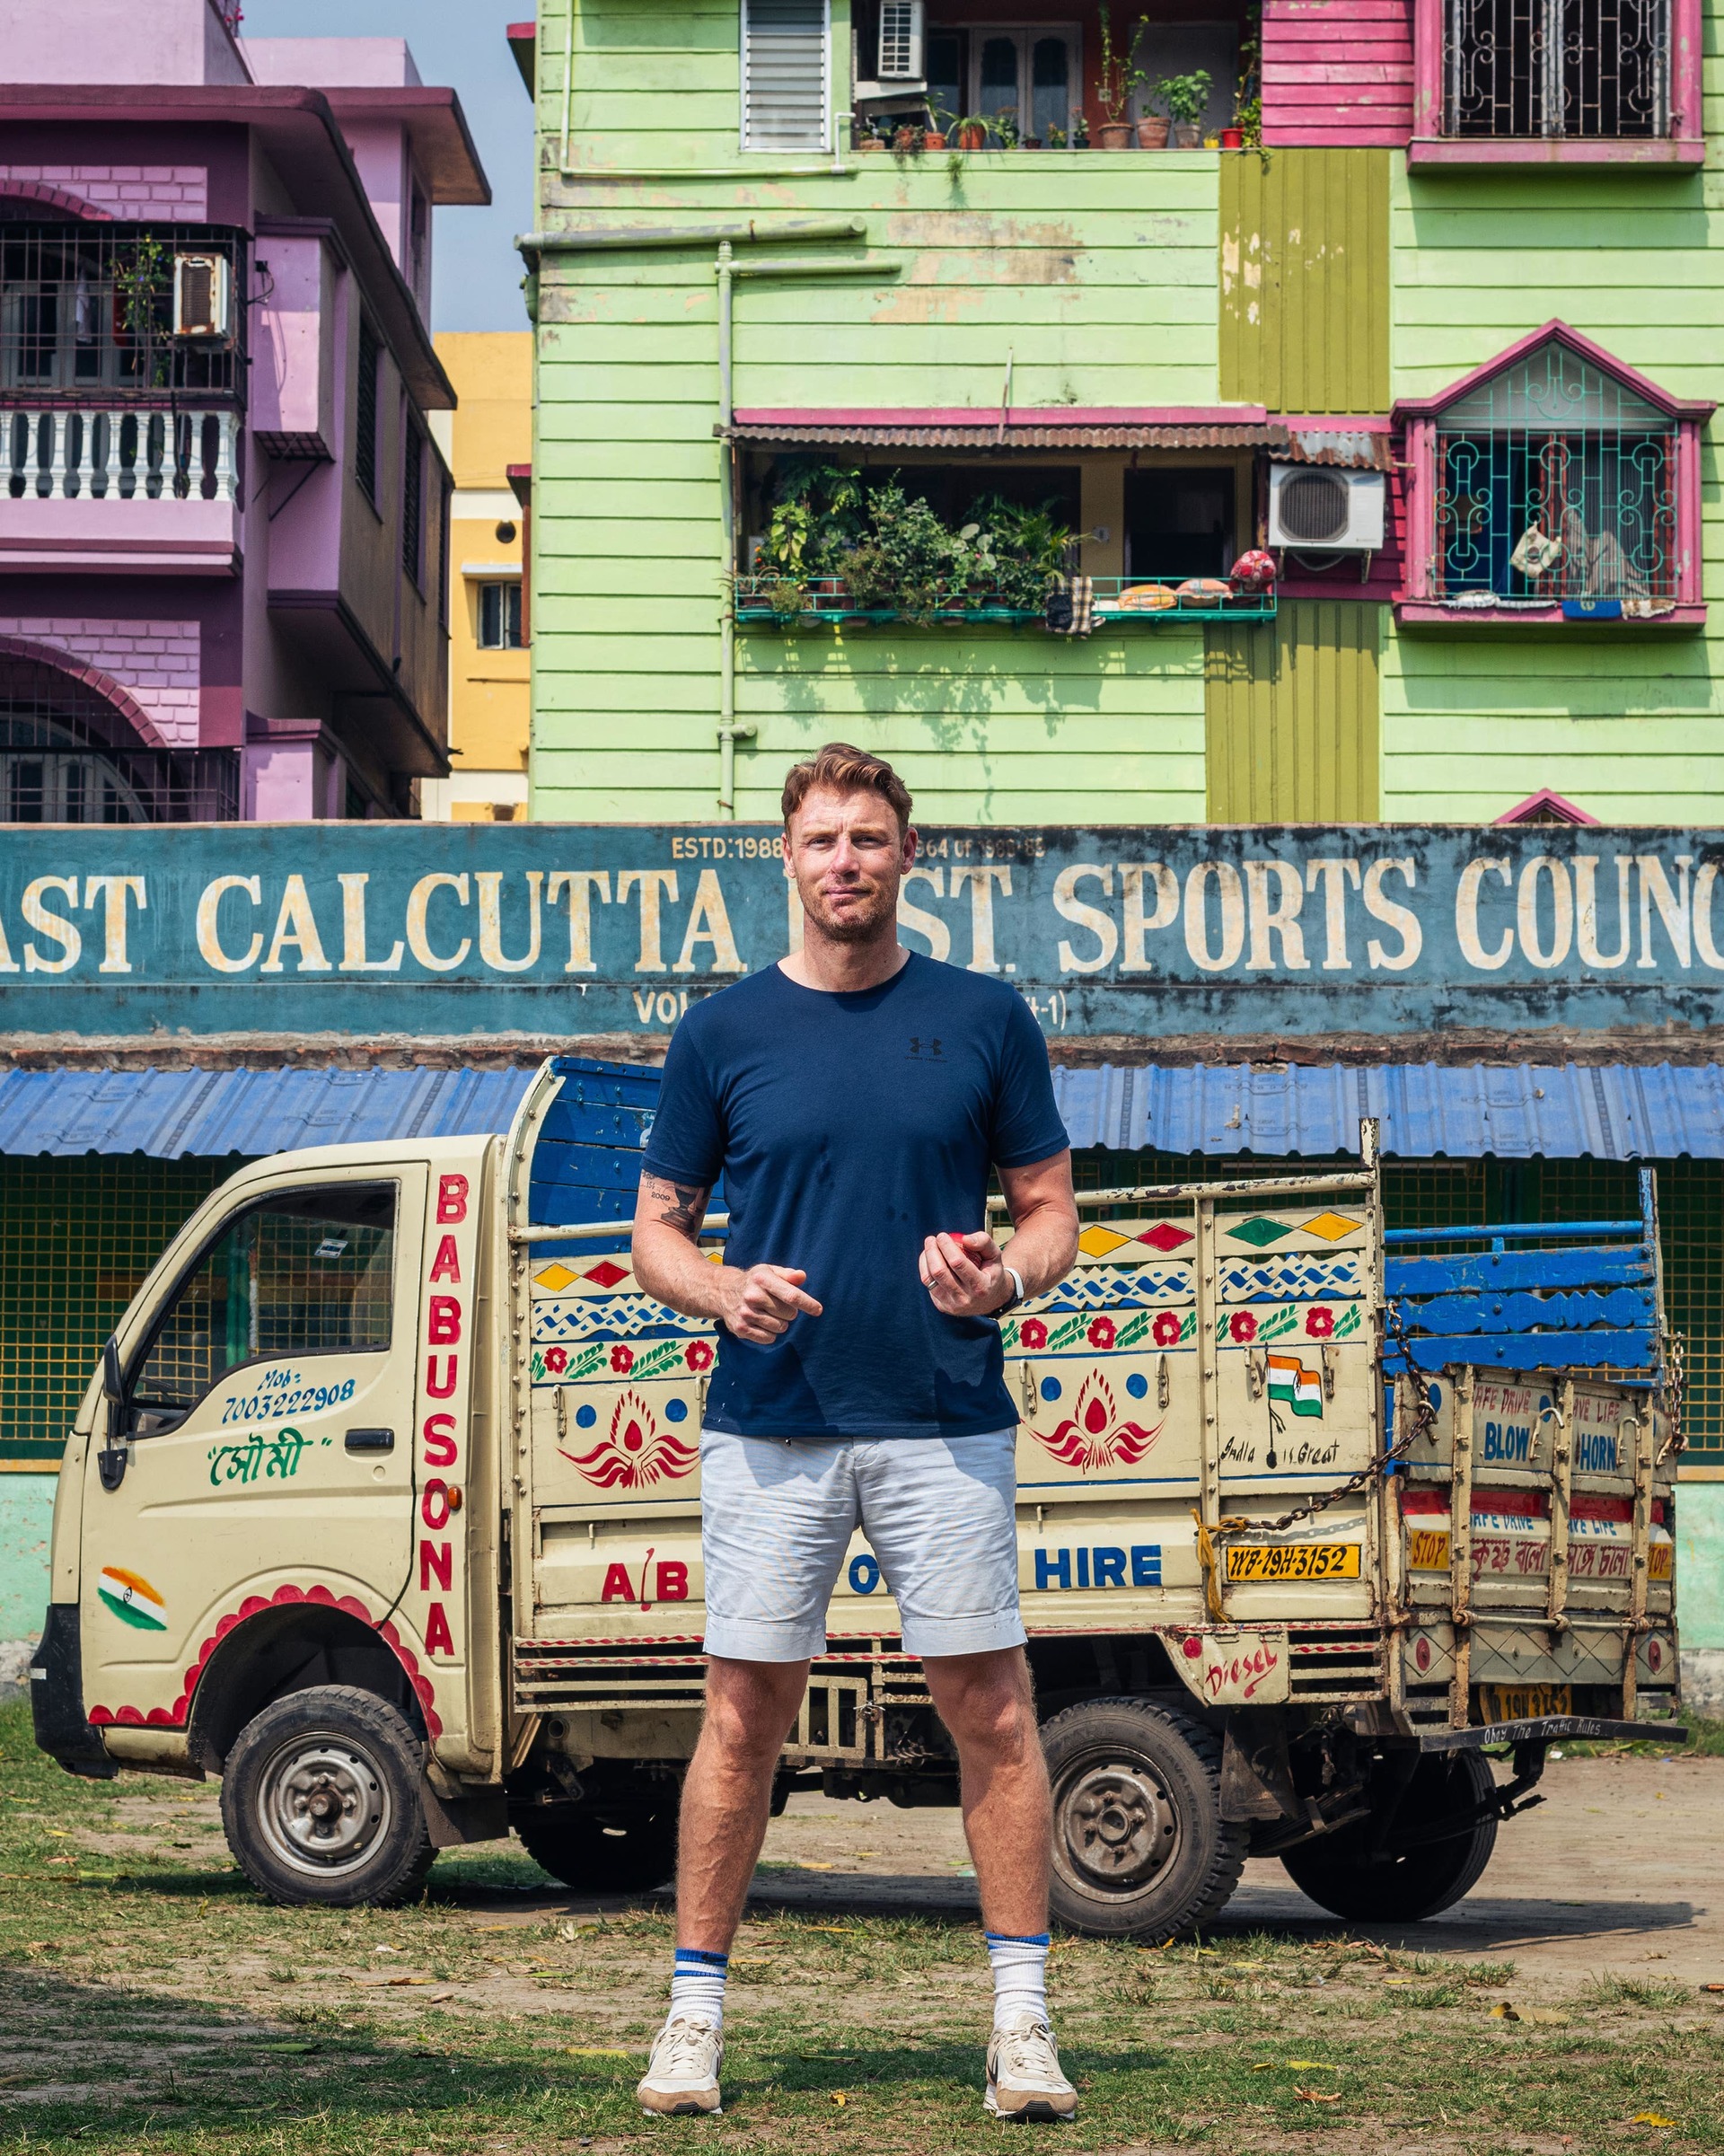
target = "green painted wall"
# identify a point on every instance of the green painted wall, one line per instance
(1094, 280)
(1700, 1563)
(1292, 710)
(1627, 725)
(1304, 280)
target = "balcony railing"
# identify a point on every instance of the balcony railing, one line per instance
(61, 785)
(1116, 603)
(129, 455)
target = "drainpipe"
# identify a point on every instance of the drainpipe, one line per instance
(729, 731)
(533, 244)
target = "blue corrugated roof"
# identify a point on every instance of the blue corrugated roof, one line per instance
(1612, 1111)
(170, 1112)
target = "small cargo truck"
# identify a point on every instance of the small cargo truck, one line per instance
(384, 1504)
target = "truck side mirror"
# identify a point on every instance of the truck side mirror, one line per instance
(110, 1461)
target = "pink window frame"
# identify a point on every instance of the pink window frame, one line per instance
(1683, 146)
(1419, 417)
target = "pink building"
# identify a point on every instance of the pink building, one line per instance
(223, 519)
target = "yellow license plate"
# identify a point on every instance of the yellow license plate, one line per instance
(1525, 1702)
(1294, 1561)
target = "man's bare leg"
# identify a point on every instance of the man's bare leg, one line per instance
(987, 1702)
(727, 1795)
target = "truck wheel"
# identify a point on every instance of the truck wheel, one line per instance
(1139, 1844)
(321, 1799)
(1404, 1885)
(596, 1855)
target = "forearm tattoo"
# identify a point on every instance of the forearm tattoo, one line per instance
(679, 1205)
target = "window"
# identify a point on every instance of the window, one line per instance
(784, 75)
(500, 617)
(1026, 83)
(1555, 483)
(442, 549)
(304, 1272)
(364, 423)
(413, 502)
(1578, 69)
(114, 311)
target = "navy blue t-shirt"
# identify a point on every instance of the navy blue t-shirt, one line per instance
(848, 1128)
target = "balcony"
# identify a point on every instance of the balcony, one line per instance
(49, 781)
(120, 490)
(1116, 603)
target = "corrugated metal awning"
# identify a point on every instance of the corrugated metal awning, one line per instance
(988, 434)
(1565, 1112)
(168, 1114)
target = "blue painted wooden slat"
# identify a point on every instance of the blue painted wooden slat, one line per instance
(1633, 1349)
(1530, 1313)
(1502, 1269)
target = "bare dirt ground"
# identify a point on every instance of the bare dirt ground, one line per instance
(1619, 1870)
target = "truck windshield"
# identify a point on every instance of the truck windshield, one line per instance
(302, 1273)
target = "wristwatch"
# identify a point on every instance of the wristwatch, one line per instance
(1016, 1297)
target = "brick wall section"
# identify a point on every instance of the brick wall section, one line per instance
(1337, 73)
(176, 193)
(158, 662)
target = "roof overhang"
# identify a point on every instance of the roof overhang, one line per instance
(523, 41)
(1699, 409)
(299, 129)
(442, 147)
(1359, 441)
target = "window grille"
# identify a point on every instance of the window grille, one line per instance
(784, 75)
(364, 428)
(1554, 481)
(1596, 69)
(67, 757)
(500, 617)
(89, 311)
(413, 503)
(76, 1239)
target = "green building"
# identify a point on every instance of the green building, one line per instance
(1442, 334)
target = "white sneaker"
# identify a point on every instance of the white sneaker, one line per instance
(681, 2077)
(1024, 2077)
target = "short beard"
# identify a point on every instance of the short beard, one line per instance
(879, 920)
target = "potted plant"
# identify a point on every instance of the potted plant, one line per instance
(972, 132)
(933, 139)
(1152, 128)
(1056, 139)
(1185, 96)
(1116, 79)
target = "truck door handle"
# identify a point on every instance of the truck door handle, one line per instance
(369, 1441)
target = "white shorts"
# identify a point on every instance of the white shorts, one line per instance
(777, 1516)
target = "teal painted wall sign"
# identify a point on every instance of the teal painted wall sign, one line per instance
(562, 930)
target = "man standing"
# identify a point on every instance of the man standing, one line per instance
(853, 1097)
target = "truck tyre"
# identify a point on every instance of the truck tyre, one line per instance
(1404, 1885)
(597, 1856)
(321, 1799)
(1139, 1844)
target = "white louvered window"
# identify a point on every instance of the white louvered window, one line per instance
(784, 75)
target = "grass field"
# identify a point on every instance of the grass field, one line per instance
(150, 2001)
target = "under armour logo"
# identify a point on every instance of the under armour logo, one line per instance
(927, 1050)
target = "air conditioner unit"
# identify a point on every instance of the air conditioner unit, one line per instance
(903, 28)
(1317, 508)
(200, 295)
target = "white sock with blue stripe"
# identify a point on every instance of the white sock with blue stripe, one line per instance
(698, 1986)
(1020, 1966)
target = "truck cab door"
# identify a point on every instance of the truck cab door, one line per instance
(265, 1414)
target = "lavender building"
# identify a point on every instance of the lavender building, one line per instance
(222, 518)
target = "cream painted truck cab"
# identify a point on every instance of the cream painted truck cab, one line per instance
(384, 1506)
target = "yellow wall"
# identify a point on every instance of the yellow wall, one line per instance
(489, 691)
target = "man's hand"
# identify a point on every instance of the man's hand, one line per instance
(761, 1304)
(965, 1275)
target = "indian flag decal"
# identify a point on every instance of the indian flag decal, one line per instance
(1289, 1380)
(132, 1598)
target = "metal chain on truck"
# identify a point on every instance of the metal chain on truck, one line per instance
(1675, 1388)
(1422, 1422)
